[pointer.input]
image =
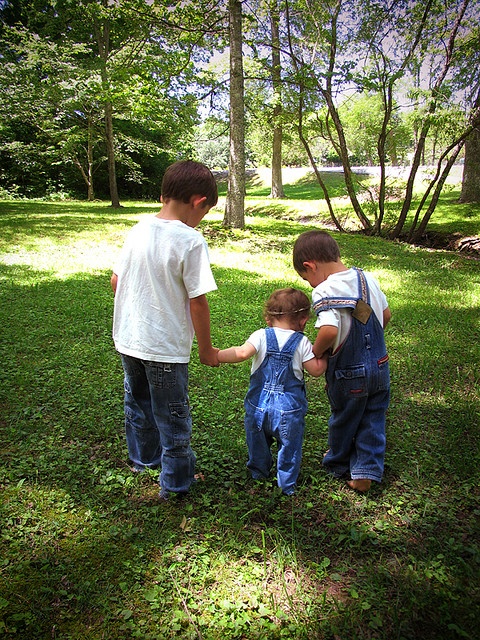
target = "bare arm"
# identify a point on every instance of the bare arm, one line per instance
(387, 314)
(237, 354)
(200, 312)
(325, 339)
(316, 366)
(113, 282)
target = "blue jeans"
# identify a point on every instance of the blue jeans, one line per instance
(158, 423)
(356, 434)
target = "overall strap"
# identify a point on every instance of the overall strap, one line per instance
(289, 347)
(272, 343)
(292, 343)
(363, 310)
(324, 304)
(363, 290)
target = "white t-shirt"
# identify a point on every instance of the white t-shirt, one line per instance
(345, 284)
(302, 353)
(163, 264)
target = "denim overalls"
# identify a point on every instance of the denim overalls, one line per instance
(275, 408)
(358, 388)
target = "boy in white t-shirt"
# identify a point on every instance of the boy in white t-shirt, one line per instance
(352, 312)
(160, 285)
(276, 402)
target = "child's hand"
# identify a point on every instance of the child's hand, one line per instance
(316, 366)
(210, 357)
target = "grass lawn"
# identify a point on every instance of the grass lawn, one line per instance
(88, 551)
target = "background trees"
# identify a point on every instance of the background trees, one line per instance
(101, 96)
(374, 52)
(125, 96)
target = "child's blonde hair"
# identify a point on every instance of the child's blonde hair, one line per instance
(291, 303)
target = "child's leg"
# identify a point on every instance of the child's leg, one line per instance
(143, 441)
(169, 390)
(342, 428)
(289, 434)
(259, 442)
(368, 455)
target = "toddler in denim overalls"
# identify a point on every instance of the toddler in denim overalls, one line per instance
(352, 313)
(276, 402)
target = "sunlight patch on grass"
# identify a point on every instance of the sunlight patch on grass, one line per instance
(259, 591)
(252, 262)
(80, 257)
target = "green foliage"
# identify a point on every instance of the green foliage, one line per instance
(212, 143)
(362, 116)
(88, 551)
(62, 69)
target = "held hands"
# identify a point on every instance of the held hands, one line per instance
(209, 357)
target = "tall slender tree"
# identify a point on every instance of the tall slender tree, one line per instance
(277, 182)
(434, 97)
(101, 29)
(235, 204)
(471, 170)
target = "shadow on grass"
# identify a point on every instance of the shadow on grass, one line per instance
(89, 552)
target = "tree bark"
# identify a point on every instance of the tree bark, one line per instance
(102, 34)
(277, 183)
(110, 144)
(235, 204)
(90, 189)
(471, 169)
(436, 194)
(320, 181)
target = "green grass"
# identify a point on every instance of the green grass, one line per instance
(88, 552)
(305, 201)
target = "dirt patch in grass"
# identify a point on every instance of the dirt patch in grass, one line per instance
(467, 245)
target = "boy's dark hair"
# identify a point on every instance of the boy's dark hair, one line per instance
(187, 178)
(287, 302)
(314, 245)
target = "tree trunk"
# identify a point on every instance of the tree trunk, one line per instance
(86, 179)
(235, 205)
(90, 189)
(340, 144)
(471, 168)
(110, 144)
(436, 195)
(102, 34)
(87, 173)
(451, 153)
(321, 182)
(277, 183)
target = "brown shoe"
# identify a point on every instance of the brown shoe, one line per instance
(361, 485)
